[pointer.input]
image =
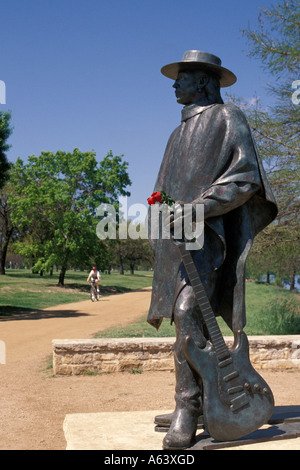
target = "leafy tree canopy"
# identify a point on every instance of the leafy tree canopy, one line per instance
(276, 43)
(5, 132)
(55, 201)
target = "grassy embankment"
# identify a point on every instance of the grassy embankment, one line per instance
(270, 309)
(22, 292)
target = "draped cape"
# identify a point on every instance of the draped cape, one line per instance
(211, 159)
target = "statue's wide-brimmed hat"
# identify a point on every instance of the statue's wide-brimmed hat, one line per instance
(200, 60)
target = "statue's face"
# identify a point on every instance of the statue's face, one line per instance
(186, 88)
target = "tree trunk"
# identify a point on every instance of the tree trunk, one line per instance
(2, 263)
(3, 252)
(2, 268)
(292, 278)
(132, 268)
(121, 267)
(61, 280)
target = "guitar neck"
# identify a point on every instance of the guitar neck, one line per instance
(214, 331)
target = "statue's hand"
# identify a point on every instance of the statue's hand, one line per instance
(176, 214)
(180, 222)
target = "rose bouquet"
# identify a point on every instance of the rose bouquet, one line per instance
(161, 197)
(178, 221)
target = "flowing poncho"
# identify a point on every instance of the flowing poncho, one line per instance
(211, 159)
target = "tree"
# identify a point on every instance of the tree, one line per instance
(276, 130)
(6, 226)
(272, 255)
(105, 257)
(55, 203)
(276, 42)
(133, 252)
(5, 132)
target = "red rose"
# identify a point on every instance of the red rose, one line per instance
(151, 200)
(155, 197)
(160, 196)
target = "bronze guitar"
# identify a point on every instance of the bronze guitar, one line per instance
(237, 400)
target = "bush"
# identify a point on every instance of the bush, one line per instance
(281, 317)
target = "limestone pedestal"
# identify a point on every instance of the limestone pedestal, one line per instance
(135, 430)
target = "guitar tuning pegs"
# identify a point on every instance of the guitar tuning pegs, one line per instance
(256, 388)
(247, 386)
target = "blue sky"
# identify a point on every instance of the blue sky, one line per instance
(86, 73)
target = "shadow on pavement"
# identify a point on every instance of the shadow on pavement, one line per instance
(9, 313)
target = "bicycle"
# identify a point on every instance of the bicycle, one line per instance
(94, 294)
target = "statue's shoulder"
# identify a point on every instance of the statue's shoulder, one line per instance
(174, 133)
(228, 109)
(230, 112)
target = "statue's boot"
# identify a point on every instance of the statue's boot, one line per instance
(188, 408)
(164, 421)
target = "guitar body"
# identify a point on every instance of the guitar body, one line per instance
(237, 400)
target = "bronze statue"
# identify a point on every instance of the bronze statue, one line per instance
(210, 159)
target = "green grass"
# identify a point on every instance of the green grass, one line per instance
(139, 329)
(270, 310)
(23, 292)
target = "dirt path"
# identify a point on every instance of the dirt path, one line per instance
(33, 404)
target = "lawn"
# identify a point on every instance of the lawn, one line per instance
(270, 309)
(21, 291)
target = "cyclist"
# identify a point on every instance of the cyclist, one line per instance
(94, 274)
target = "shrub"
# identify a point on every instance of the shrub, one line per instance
(281, 317)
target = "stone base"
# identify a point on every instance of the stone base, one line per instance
(135, 431)
(125, 430)
(82, 356)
